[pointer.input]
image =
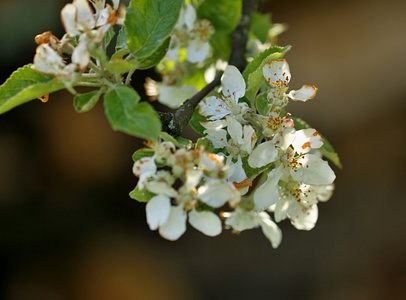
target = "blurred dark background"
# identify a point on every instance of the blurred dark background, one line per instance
(68, 229)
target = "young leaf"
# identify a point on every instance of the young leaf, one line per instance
(141, 196)
(120, 66)
(125, 113)
(168, 138)
(253, 73)
(26, 84)
(224, 14)
(195, 121)
(327, 149)
(260, 25)
(148, 23)
(262, 104)
(85, 102)
(140, 153)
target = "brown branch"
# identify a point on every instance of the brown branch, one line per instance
(174, 126)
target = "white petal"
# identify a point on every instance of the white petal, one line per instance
(159, 187)
(174, 96)
(234, 128)
(324, 192)
(277, 72)
(307, 139)
(285, 138)
(263, 154)
(189, 16)
(84, 17)
(304, 218)
(233, 84)
(206, 221)
(268, 193)
(197, 51)
(215, 107)
(236, 172)
(305, 93)
(315, 171)
(249, 140)
(175, 225)
(241, 220)
(214, 193)
(193, 178)
(270, 229)
(210, 161)
(68, 16)
(116, 4)
(217, 136)
(281, 209)
(157, 209)
(144, 165)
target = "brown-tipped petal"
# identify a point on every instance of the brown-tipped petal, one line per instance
(305, 93)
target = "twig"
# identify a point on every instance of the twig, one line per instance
(174, 125)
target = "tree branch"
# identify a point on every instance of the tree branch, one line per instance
(174, 125)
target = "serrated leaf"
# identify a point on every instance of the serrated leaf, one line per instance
(121, 42)
(141, 196)
(140, 153)
(108, 37)
(156, 57)
(253, 75)
(127, 115)
(24, 85)
(148, 23)
(224, 14)
(327, 149)
(85, 102)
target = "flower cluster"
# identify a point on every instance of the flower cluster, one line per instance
(85, 29)
(183, 184)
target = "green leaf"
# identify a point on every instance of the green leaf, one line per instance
(127, 115)
(85, 102)
(253, 172)
(140, 153)
(224, 14)
(120, 66)
(141, 196)
(195, 121)
(221, 44)
(327, 149)
(259, 25)
(262, 104)
(24, 85)
(156, 57)
(184, 143)
(168, 138)
(253, 73)
(108, 37)
(148, 23)
(121, 39)
(206, 143)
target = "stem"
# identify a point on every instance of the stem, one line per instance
(184, 113)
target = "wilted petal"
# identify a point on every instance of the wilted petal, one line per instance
(206, 222)
(314, 171)
(277, 73)
(157, 209)
(263, 154)
(81, 55)
(175, 225)
(305, 93)
(68, 16)
(47, 60)
(84, 17)
(233, 84)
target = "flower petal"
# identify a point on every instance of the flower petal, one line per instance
(303, 218)
(206, 222)
(307, 139)
(175, 225)
(215, 193)
(270, 229)
(263, 154)
(84, 17)
(68, 17)
(277, 73)
(197, 51)
(157, 210)
(214, 107)
(315, 171)
(268, 193)
(305, 93)
(240, 220)
(233, 84)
